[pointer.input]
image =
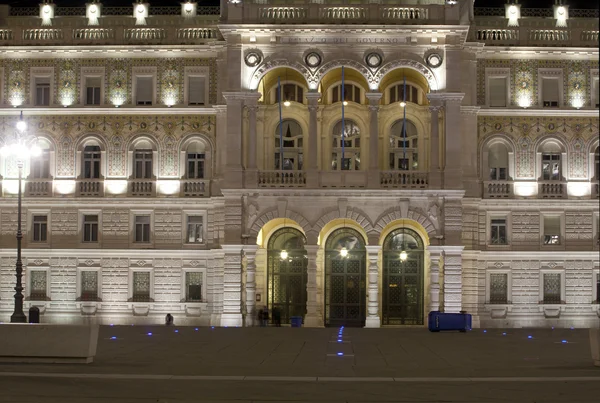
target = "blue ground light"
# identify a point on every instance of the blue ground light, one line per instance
(564, 341)
(340, 354)
(504, 334)
(196, 329)
(149, 333)
(113, 338)
(530, 337)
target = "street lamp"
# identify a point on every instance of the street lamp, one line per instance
(21, 146)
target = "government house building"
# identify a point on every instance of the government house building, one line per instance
(356, 163)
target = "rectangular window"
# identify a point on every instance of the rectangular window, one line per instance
(498, 288)
(38, 285)
(596, 92)
(143, 164)
(91, 162)
(196, 88)
(195, 165)
(40, 166)
(144, 90)
(42, 91)
(550, 92)
(551, 230)
(552, 288)
(195, 229)
(141, 286)
(92, 88)
(90, 228)
(89, 285)
(40, 228)
(498, 91)
(498, 231)
(142, 228)
(551, 167)
(193, 286)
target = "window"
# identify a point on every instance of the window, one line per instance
(597, 163)
(38, 285)
(142, 228)
(551, 166)
(89, 285)
(144, 90)
(40, 228)
(195, 229)
(552, 231)
(550, 92)
(90, 228)
(92, 90)
(498, 91)
(142, 164)
(345, 153)
(42, 91)
(290, 92)
(404, 146)
(141, 286)
(595, 92)
(552, 288)
(193, 286)
(498, 288)
(292, 146)
(195, 165)
(396, 93)
(40, 165)
(352, 93)
(91, 162)
(498, 231)
(498, 162)
(196, 90)
(596, 287)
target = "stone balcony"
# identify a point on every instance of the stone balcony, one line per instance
(552, 190)
(497, 189)
(38, 188)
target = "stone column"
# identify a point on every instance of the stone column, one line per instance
(373, 318)
(453, 278)
(250, 253)
(312, 166)
(232, 286)
(453, 140)
(251, 175)
(435, 253)
(373, 176)
(435, 179)
(471, 183)
(313, 316)
(233, 141)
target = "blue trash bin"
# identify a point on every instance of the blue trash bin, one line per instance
(449, 321)
(296, 321)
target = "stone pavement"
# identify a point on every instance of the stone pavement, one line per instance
(243, 365)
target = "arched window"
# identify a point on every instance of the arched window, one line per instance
(404, 147)
(498, 162)
(143, 158)
(91, 162)
(345, 152)
(290, 92)
(40, 165)
(292, 137)
(195, 157)
(551, 161)
(396, 93)
(352, 93)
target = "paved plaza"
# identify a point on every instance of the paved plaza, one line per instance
(243, 365)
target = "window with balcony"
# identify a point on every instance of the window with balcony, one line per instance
(195, 229)
(345, 153)
(196, 159)
(142, 228)
(403, 147)
(90, 228)
(290, 92)
(142, 164)
(552, 230)
(396, 93)
(552, 288)
(196, 90)
(144, 90)
(89, 285)
(93, 90)
(38, 285)
(42, 91)
(40, 165)
(550, 92)
(193, 286)
(498, 231)
(91, 162)
(498, 162)
(352, 93)
(289, 139)
(551, 166)
(40, 228)
(498, 91)
(141, 287)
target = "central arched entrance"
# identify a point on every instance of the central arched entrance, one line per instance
(345, 278)
(287, 273)
(403, 278)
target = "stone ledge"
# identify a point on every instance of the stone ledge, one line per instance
(44, 343)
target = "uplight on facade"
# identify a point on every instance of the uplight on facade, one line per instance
(526, 189)
(524, 101)
(65, 187)
(578, 189)
(168, 187)
(116, 187)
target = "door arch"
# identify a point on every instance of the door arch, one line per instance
(345, 278)
(403, 278)
(287, 276)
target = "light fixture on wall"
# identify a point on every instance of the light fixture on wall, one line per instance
(561, 14)
(344, 250)
(47, 12)
(286, 102)
(403, 253)
(188, 9)
(92, 12)
(284, 253)
(140, 12)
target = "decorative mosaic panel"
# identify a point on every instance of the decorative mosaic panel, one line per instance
(66, 84)
(524, 78)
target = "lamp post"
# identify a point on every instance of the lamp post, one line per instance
(21, 146)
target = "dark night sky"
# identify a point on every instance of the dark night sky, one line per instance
(478, 3)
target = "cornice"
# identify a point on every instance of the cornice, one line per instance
(512, 52)
(104, 50)
(296, 29)
(106, 111)
(572, 113)
(387, 194)
(543, 255)
(121, 253)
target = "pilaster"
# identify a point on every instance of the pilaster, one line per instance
(453, 278)
(251, 174)
(312, 172)
(313, 318)
(435, 178)
(373, 317)
(233, 155)
(471, 182)
(250, 254)
(374, 99)
(232, 286)
(454, 144)
(435, 254)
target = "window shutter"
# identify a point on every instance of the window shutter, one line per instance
(551, 225)
(196, 90)
(144, 91)
(498, 92)
(550, 90)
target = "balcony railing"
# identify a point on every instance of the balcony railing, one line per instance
(195, 188)
(90, 188)
(497, 189)
(281, 179)
(404, 179)
(552, 190)
(39, 188)
(142, 188)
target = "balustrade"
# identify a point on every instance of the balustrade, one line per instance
(90, 188)
(404, 13)
(283, 14)
(38, 187)
(43, 34)
(145, 34)
(91, 34)
(343, 13)
(141, 188)
(197, 33)
(195, 188)
(404, 179)
(552, 190)
(281, 179)
(497, 189)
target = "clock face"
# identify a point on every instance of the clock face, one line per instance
(252, 59)
(434, 60)
(313, 59)
(373, 60)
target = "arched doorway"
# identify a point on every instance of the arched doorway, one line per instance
(403, 278)
(345, 278)
(287, 273)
